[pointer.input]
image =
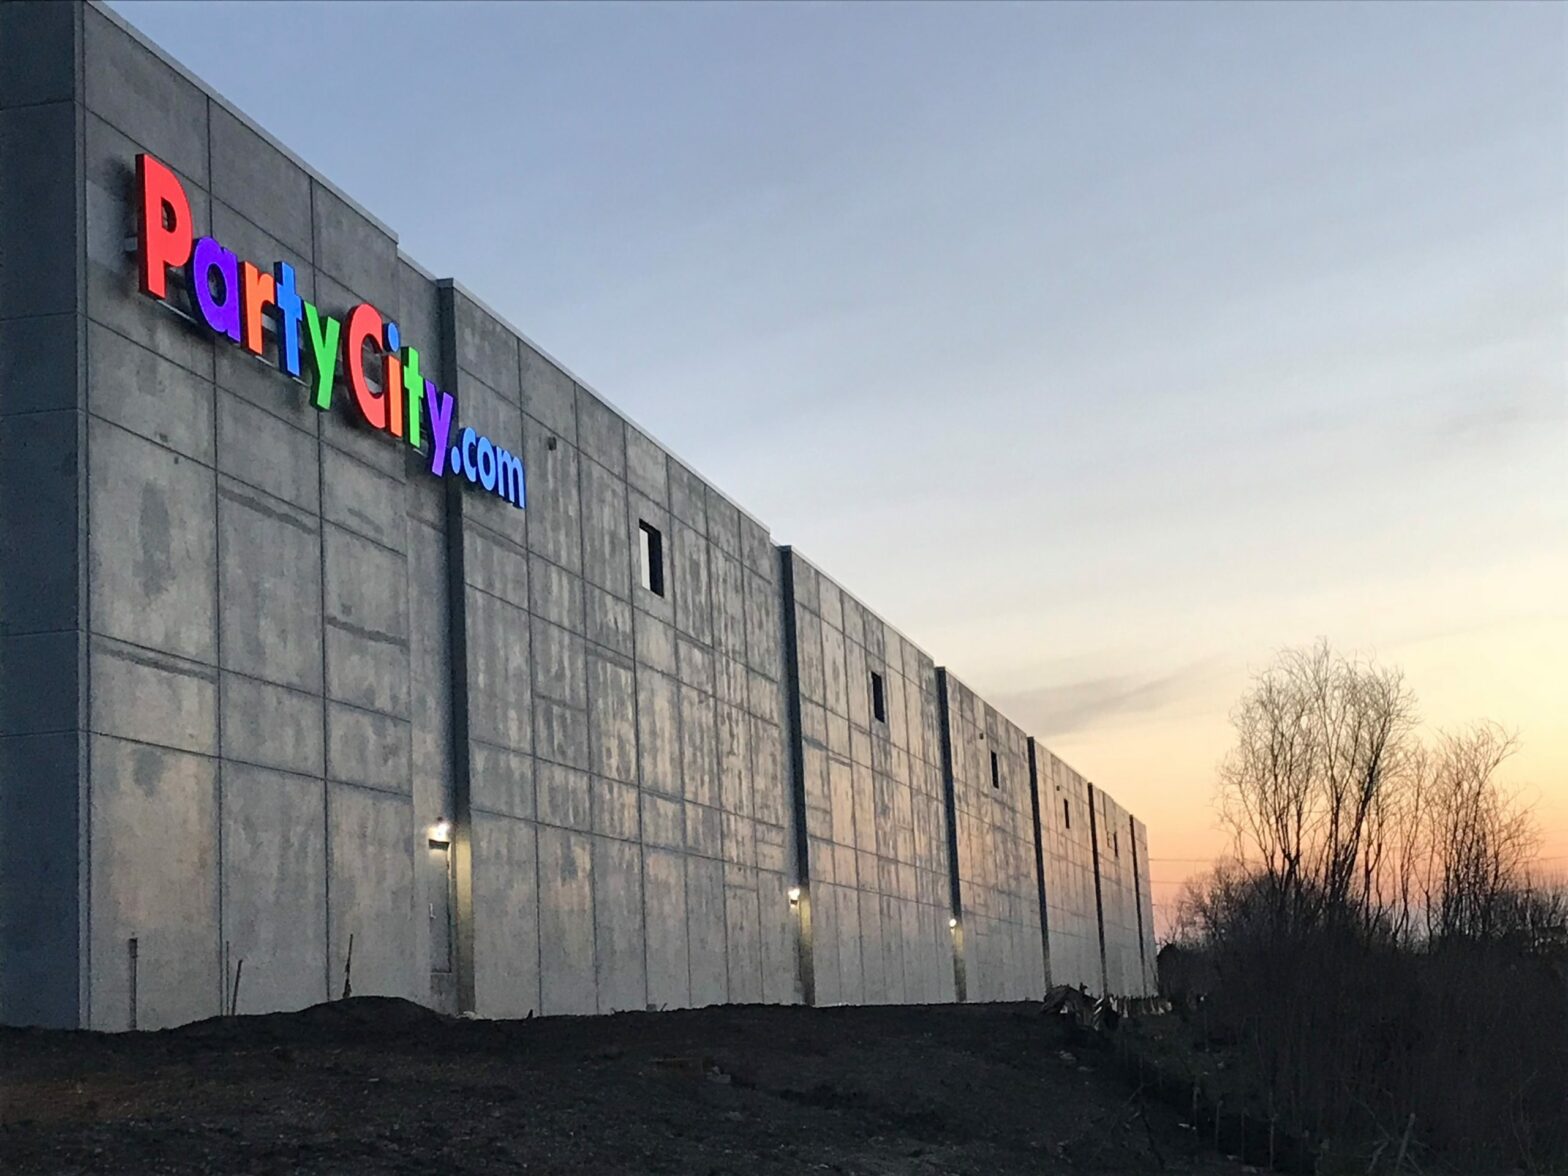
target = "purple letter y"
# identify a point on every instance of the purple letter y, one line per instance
(439, 406)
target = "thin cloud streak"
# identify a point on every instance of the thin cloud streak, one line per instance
(1067, 707)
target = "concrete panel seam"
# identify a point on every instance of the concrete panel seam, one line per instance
(217, 595)
(804, 942)
(152, 441)
(358, 536)
(588, 686)
(84, 596)
(457, 647)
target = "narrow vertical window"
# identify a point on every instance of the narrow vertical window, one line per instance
(878, 698)
(652, 557)
(1116, 847)
(1067, 814)
(996, 771)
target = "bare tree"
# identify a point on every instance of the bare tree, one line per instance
(1480, 839)
(1310, 790)
(1378, 906)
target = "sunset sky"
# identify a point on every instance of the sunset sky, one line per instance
(1103, 349)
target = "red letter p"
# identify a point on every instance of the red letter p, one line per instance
(164, 236)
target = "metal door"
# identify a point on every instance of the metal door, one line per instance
(438, 896)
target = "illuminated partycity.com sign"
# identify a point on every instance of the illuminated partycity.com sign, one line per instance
(247, 304)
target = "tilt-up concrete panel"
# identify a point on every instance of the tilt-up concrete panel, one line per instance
(612, 717)
(154, 890)
(113, 299)
(371, 880)
(39, 904)
(366, 613)
(879, 894)
(1148, 970)
(38, 523)
(150, 396)
(998, 882)
(269, 580)
(1119, 900)
(566, 922)
(705, 930)
(44, 36)
(152, 550)
(131, 87)
(619, 947)
(275, 888)
(555, 530)
(260, 183)
(44, 959)
(1072, 921)
(664, 898)
(547, 393)
(39, 203)
(262, 450)
(743, 934)
(506, 926)
(141, 691)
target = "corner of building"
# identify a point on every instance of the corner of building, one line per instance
(42, 684)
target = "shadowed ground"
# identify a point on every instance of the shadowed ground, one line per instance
(378, 1085)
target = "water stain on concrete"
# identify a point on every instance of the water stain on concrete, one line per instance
(155, 562)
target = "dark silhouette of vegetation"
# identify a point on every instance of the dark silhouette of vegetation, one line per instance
(1377, 955)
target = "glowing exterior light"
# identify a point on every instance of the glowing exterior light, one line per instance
(794, 895)
(952, 924)
(441, 831)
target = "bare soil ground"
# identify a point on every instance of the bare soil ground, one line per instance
(373, 1085)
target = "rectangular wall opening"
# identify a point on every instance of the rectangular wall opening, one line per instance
(996, 771)
(651, 553)
(878, 698)
(1067, 814)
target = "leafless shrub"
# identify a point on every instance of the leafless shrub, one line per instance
(1377, 947)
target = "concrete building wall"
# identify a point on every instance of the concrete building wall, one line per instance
(1145, 910)
(631, 830)
(272, 721)
(1071, 918)
(879, 890)
(263, 580)
(271, 693)
(998, 883)
(1119, 910)
(42, 680)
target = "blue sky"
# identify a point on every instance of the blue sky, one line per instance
(1104, 349)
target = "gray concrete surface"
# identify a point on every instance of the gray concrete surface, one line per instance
(1072, 918)
(42, 644)
(1115, 851)
(998, 884)
(873, 804)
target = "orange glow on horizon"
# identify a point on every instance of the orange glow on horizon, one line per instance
(1161, 764)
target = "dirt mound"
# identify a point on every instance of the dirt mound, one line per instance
(359, 1019)
(375, 1085)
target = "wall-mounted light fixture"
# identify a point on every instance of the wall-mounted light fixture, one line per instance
(794, 895)
(952, 924)
(441, 831)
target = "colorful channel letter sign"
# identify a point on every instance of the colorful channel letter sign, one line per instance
(248, 305)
